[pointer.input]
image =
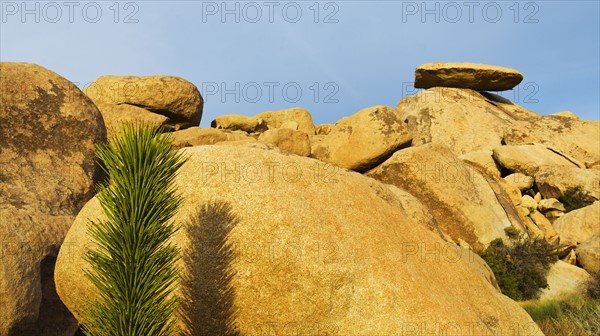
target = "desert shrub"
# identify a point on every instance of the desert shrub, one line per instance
(512, 232)
(133, 266)
(575, 198)
(521, 267)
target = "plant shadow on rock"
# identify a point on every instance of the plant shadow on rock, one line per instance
(207, 296)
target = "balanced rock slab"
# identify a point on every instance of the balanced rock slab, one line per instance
(480, 77)
(460, 198)
(173, 97)
(48, 133)
(363, 140)
(333, 252)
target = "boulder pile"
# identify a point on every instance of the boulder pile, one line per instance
(366, 226)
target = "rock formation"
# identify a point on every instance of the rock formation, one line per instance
(48, 130)
(345, 228)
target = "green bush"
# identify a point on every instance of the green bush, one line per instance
(512, 232)
(575, 198)
(520, 268)
(133, 267)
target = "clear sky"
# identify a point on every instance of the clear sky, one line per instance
(330, 57)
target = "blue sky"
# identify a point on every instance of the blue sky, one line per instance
(330, 57)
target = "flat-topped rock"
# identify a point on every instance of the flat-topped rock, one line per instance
(480, 77)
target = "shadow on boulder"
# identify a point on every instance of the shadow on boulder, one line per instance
(207, 302)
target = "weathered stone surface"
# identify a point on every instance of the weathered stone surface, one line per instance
(48, 133)
(417, 211)
(549, 204)
(196, 136)
(295, 142)
(290, 124)
(553, 182)
(564, 279)
(480, 77)
(579, 225)
(323, 129)
(484, 159)
(173, 97)
(236, 122)
(370, 276)
(521, 181)
(513, 192)
(462, 119)
(550, 235)
(114, 115)
(460, 198)
(573, 136)
(275, 119)
(588, 254)
(532, 229)
(527, 159)
(363, 140)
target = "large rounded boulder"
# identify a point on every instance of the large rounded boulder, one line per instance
(48, 132)
(281, 244)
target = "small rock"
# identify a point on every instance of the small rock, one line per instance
(534, 231)
(571, 258)
(537, 197)
(529, 203)
(513, 192)
(553, 215)
(196, 136)
(293, 141)
(523, 211)
(239, 122)
(521, 181)
(549, 204)
(276, 119)
(323, 129)
(544, 224)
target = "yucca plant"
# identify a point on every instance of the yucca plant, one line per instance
(133, 266)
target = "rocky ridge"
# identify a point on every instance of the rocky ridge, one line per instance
(453, 167)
